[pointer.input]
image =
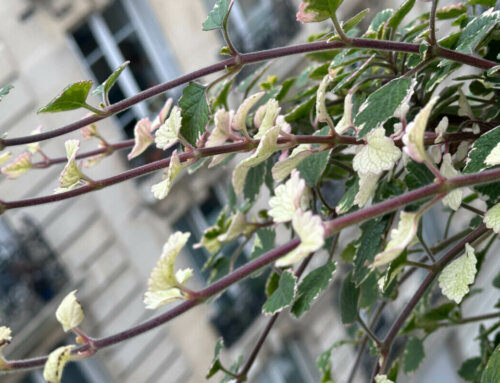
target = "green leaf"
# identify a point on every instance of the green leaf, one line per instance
(324, 365)
(334, 4)
(253, 181)
(355, 20)
(215, 18)
(368, 246)
(263, 242)
(418, 175)
(310, 288)
(496, 281)
(476, 30)
(349, 297)
(221, 98)
(492, 372)
(5, 91)
(381, 105)
(471, 369)
(272, 283)
(312, 167)
(480, 150)
(378, 22)
(451, 11)
(283, 296)
(369, 291)
(347, 201)
(399, 15)
(194, 112)
(215, 365)
(74, 96)
(106, 86)
(413, 355)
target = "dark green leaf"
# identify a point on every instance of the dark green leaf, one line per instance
(310, 288)
(263, 242)
(475, 31)
(355, 20)
(347, 201)
(496, 281)
(325, 365)
(106, 86)
(438, 313)
(268, 179)
(301, 110)
(216, 16)
(399, 15)
(253, 181)
(369, 291)
(221, 98)
(491, 373)
(481, 149)
(348, 253)
(418, 175)
(272, 283)
(413, 355)
(313, 167)
(451, 11)
(381, 105)
(369, 246)
(334, 4)
(5, 91)
(349, 297)
(194, 112)
(378, 22)
(283, 296)
(471, 370)
(215, 365)
(285, 88)
(74, 96)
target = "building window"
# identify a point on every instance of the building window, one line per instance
(30, 273)
(126, 30)
(240, 305)
(261, 24)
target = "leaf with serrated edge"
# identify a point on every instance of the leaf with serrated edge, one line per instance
(400, 238)
(310, 288)
(240, 117)
(20, 165)
(267, 146)
(271, 112)
(454, 198)
(378, 155)
(481, 149)
(321, 111)
(491, 373)
(164, 283)
(413, 355)
(367, 186)
(455, 279)
(263, 242)
(71, 176)
(283, 168)
(311, 232)
(492, 218)
(70, 313)
(414, 135)
(382, 379)
(106, 86)
(194, 112)
(54, 366)
(494, 157)
(74, 96)
(167, 134)
(288, 198)
(216, 16)
(161, 189)
(382, 104)
(283, 296)
(142, 138)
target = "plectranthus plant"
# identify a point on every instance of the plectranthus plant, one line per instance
(395, 118)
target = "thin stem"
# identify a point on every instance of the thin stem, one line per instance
(419, 265)
(472, 209)
(368, 332)
(470, 320)
(227, 39)
(417, 68)
(249, 58)
(339, 29)
(432, 23)
(424, 245)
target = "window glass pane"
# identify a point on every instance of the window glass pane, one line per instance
(115, 17)
(85, 40)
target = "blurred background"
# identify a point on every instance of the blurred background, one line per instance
(105, 244)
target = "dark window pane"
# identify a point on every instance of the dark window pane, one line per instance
(140, 65)
(115, 17)
(85, 40)
(101, 70)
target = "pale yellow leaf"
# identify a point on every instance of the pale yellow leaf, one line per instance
(494, 157)
(287, 198)
(69, 313)
(367, 186)
(240, 118)
(441, 129)
(454, 198)
(321, 111)
(161, 189)
(162, 116)
(400, 238)
(283, 168)
(20, 165)
(378, 155)
(311, 232)
(167, 134)
(4, 157)
(414, 135)
(272, 111)
(455, 279)
(142, 138)
(219, 134)
(54, 366)
(347, 119)
(237, 227)
(492, 218)
(267, 146)
(5, 337)
(382, 379)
